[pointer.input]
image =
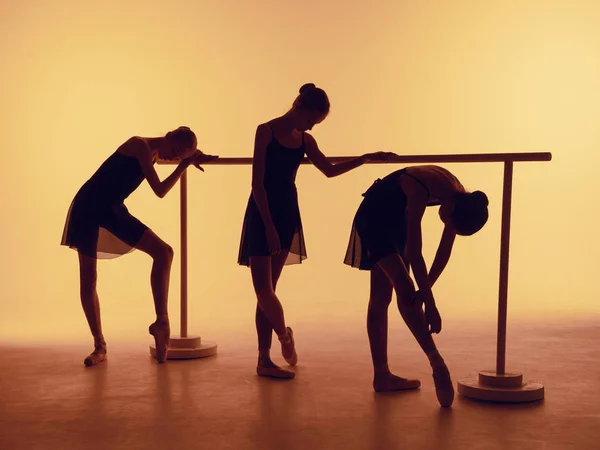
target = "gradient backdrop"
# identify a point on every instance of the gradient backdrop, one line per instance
(79, 78)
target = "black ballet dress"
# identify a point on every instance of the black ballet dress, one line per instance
(98, 223)
(281, 166)
(379, 226)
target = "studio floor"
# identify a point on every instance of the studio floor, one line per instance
(51, 401)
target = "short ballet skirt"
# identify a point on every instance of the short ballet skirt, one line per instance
(102, 231)
(379, 226)
(285, 213)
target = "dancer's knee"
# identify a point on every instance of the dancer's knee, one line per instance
(88, 276)
(164, 253)
(264, 294)
(380, 299)
(406, 302)
(404, 286)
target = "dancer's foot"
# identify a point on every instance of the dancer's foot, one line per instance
(162, 333)
(387, 382)
(443, 385)
(288, 347)
(267, 368)
(441, 377)
(275, 372)
(97, 356)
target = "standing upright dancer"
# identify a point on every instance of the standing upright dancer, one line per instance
(272, 233)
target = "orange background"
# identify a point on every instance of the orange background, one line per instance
(79, 78)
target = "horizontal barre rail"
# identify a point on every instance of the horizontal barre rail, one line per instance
(463, 158)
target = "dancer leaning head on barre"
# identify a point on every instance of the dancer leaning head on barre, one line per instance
(386, 239)
(99, 225)
(272, 230)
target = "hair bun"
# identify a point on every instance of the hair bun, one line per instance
(480, 198)
(306, 87)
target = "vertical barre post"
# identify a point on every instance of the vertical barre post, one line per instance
(502, 387)
(185, 346)
(183, 227)
(504, 253)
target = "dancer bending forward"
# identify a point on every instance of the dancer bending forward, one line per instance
(99, 226)
(386, 240)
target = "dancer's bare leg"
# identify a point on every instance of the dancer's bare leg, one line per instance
(393, 266)
(88, 276)
(266, 272)
(162, 255)
(377, 328)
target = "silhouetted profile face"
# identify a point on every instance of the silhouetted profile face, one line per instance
(311, 107)
(182, 143)
(467, 213)
(307, 119)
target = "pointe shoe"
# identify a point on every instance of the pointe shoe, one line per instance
(443, 386)
(161, 335)
(391, 383)
(275, 372)
(96, 357)
(288, 340)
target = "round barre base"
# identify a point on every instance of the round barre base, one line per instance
(189, 347)
(506, 388)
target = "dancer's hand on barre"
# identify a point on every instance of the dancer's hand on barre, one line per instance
(379, 156)
(198, 158)
(273, 241)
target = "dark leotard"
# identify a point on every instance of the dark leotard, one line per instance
(281, 166)
(98, 223)
(379, 226)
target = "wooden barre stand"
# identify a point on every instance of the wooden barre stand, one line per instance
(495, 386)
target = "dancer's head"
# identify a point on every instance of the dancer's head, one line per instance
(469, 213)
(181, 144)
(310, 107)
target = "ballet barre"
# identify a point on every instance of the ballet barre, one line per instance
(490, 385)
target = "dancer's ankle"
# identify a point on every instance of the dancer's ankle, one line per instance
(264, 356)
(381, 369)
(99, 342)
(162, 319)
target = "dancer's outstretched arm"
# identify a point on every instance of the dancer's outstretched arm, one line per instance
(320, 161)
